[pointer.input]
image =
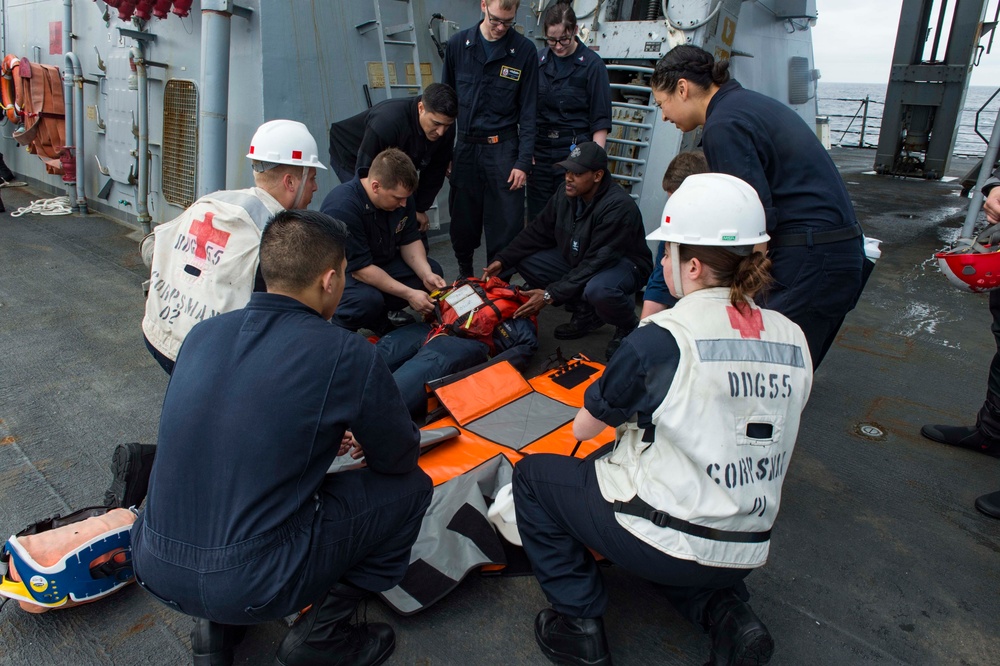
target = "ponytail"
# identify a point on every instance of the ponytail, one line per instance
(696, 65)
(745, 275)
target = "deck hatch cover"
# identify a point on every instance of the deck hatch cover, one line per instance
(180, 142)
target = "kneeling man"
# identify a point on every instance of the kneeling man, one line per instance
(585, 250)
(242, 523)
(387, 264)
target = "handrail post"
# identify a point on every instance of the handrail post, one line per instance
(864, 123)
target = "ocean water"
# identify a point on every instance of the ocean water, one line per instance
(842, 103)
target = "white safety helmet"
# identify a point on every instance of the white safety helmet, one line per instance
(285, 142)
(713, 209)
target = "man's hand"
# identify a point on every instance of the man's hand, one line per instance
(992, 205)
(423, 220)
(534, 305)
(517, 178)
(420, 301)
(434, 281)
(347, 443)
(492, 270)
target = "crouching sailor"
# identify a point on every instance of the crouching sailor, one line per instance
(204, 261)
(242, 524)
(706, 398)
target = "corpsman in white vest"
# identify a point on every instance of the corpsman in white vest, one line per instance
(204, 262)
(706, 398)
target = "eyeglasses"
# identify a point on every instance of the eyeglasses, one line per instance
(561, 41)
(496, 23)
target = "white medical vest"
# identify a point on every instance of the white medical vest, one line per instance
(724, 433)
(204, 263)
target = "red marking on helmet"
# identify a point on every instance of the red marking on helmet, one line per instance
(666, 220)
(251, 149)
(296, 154)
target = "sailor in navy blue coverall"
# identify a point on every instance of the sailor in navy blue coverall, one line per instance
(242, 523)
(574, 103)
(494, 69)
(385, 235)
(816, 242)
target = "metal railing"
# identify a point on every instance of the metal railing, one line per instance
(864, 112)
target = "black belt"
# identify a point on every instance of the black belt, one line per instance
(502, 135)
(559, 134)
(811, 237)
(639, 507)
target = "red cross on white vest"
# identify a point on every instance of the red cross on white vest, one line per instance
(205, 233)
(749, 325)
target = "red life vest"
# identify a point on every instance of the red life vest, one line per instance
(472, 308)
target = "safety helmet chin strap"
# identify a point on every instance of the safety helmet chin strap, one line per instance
(297, 201)
(675, 267)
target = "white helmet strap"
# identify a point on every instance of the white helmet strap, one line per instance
(675, 267)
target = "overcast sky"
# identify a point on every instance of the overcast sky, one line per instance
(853, 42)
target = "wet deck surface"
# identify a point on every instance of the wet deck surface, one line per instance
(878, 555)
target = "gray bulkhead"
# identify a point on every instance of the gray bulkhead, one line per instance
(312, 61)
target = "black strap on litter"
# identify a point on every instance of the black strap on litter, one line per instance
(639, 507)
(816, 237)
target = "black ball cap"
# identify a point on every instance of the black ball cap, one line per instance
(587, 156)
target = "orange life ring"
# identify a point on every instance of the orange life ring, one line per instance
(8, 88)
(8, 94)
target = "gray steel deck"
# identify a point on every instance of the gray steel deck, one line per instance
(878, 554)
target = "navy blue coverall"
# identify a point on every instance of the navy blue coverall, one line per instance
(376, 236)
(392, 123)
(816, 244)
(496, 133)
(561, 511)
(574, 101)
(242, 523)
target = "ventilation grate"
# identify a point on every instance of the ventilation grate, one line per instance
(180, 142)
(799, 80)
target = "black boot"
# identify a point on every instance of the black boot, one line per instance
(583, 321)
(983, 437)
(616, 339)
(324, 635)
(130, 468)
(212, 643)
(739, 638)
(465, 269)
(6, 174)
(572, 640)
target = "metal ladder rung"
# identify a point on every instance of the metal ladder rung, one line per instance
(403, 85)
(628, 86)
(628, 142)
(626, 160)
(629, 123)
(396, 29)
(631, 179)
(637, 107)
(396, 42)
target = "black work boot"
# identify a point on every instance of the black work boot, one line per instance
(325, 636)
(465, 269)
(983, 437)
(130, 468)
(989, 504)
(739, 638)
(616, 339)
(6, 174)
(212, 643)
(572, 640)
(583, 321)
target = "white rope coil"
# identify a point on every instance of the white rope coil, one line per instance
(54, 206)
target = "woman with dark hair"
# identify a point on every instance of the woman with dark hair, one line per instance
(816, 245)
(706, 398)
(574, 102)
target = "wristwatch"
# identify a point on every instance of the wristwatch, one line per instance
(547, 297)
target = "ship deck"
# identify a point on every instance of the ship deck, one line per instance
(878, 555)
